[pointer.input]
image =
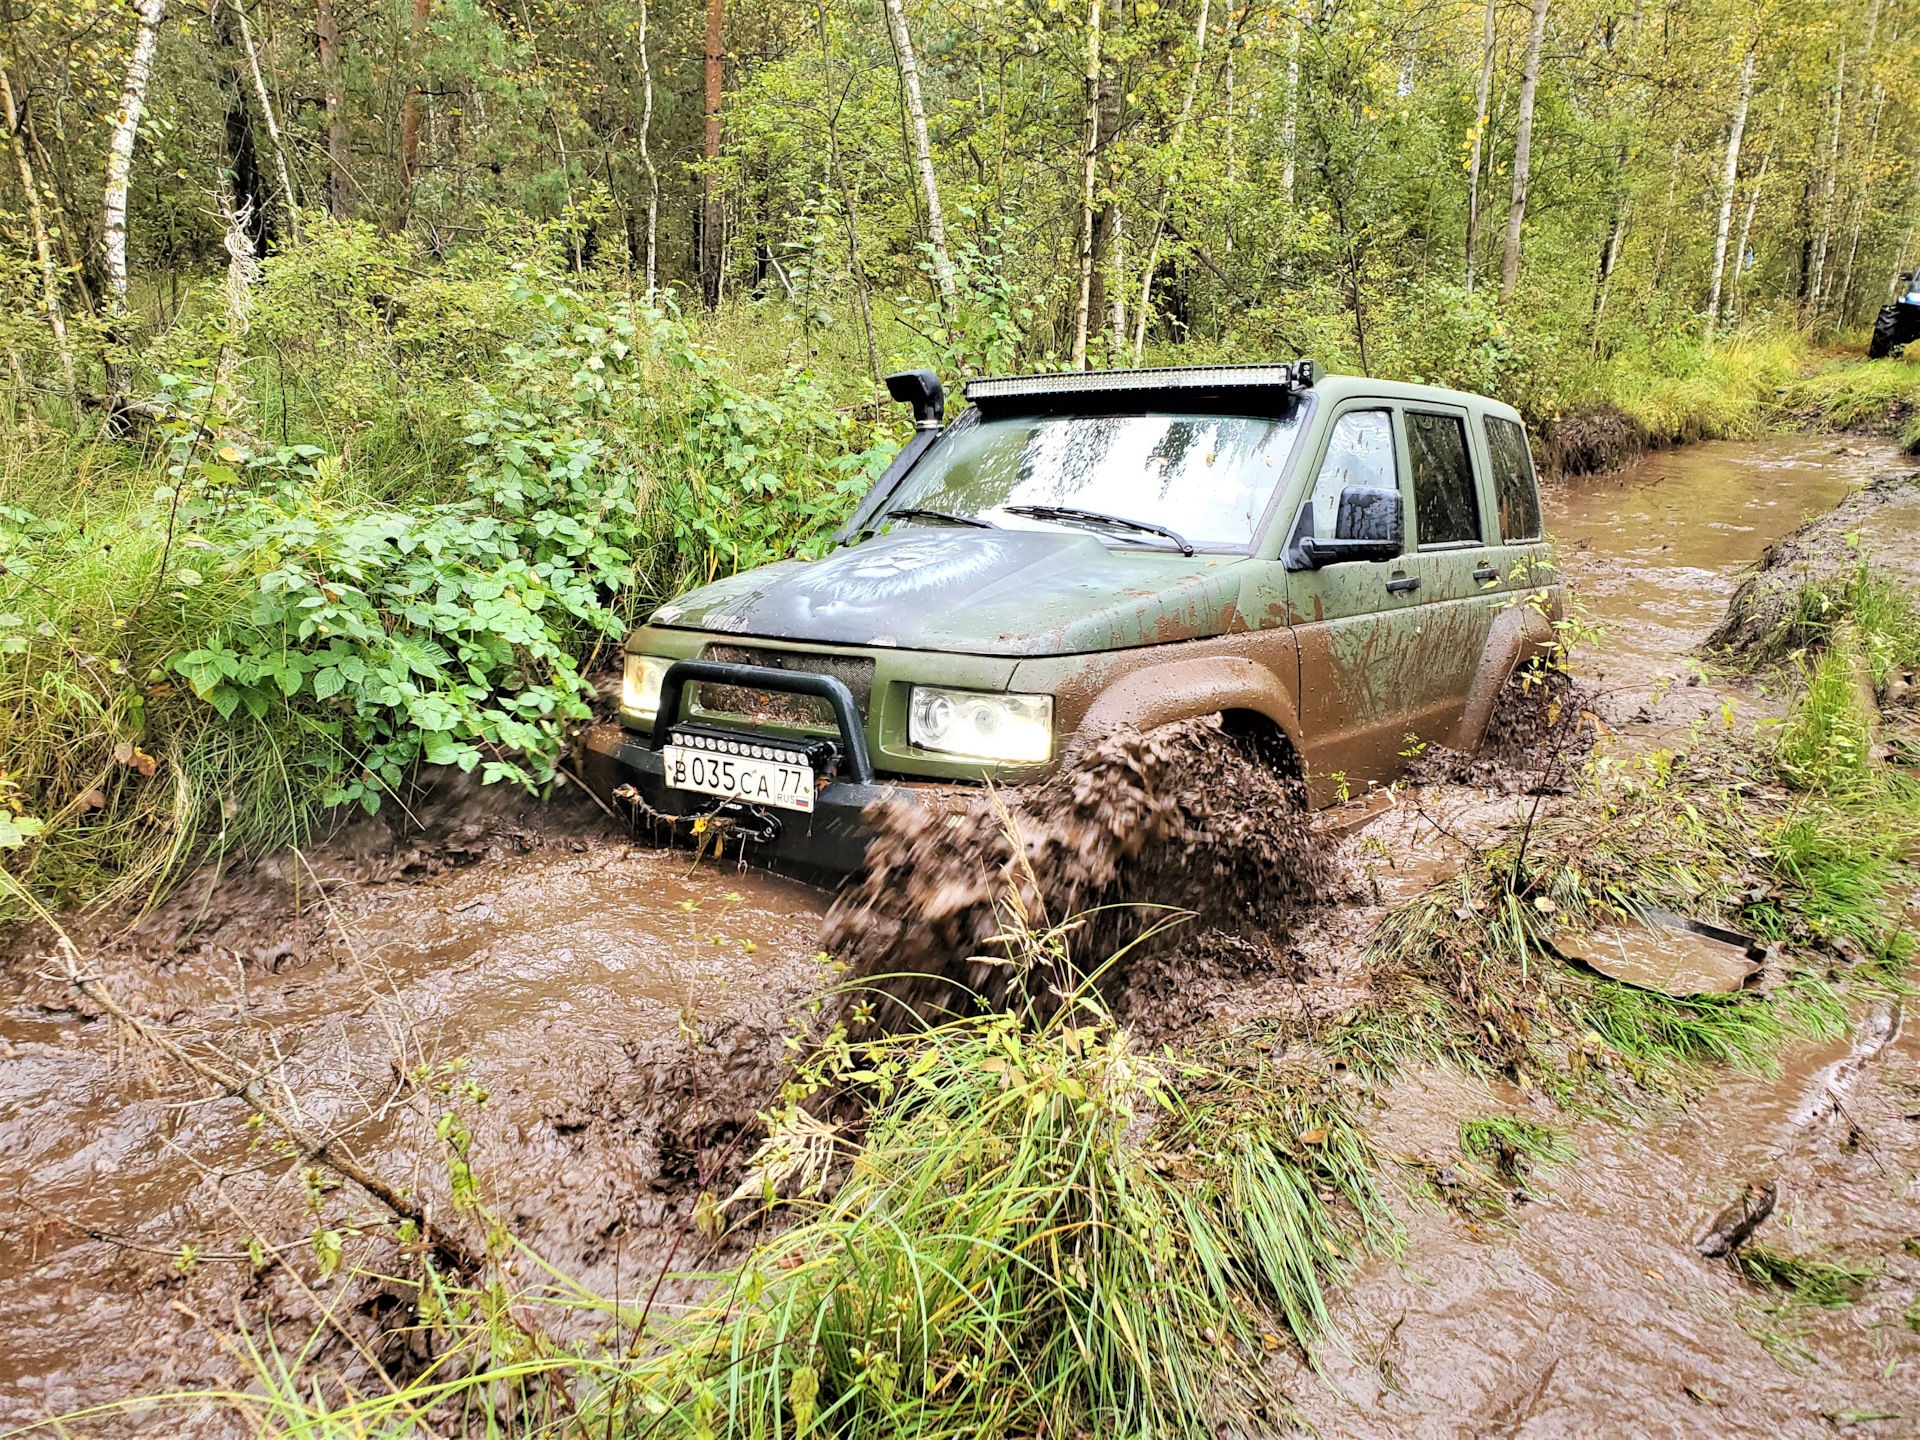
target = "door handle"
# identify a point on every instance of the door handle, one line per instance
(1486, 572)
(1406, 584)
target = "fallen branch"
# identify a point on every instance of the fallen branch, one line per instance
(313, 1149)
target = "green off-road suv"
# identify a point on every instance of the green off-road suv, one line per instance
(1344, 562)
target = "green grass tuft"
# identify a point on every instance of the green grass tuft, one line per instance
(1802, 1280)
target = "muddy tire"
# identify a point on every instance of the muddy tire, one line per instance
(1885, 330)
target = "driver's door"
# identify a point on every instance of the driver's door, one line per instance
(1355, 622)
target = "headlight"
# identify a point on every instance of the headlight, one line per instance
(640, 688)
(981, 726)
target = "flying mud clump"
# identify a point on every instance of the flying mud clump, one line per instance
(1129, 834)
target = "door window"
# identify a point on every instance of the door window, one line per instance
(1444, 501)
(1360, 453)
(1513, 481)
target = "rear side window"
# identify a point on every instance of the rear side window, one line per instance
(1513, 480)
(1443, 491)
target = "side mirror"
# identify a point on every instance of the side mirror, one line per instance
(920, 389)
(1368, 526)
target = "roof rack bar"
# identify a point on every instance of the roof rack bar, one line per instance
(1301, 375)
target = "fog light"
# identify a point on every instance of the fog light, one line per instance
(981, 726)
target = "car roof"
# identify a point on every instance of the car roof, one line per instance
(1205, 387)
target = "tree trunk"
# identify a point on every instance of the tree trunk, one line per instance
(273, 128)
(1609, 262)
(1174, 143)
(1088, 163)
(1817, 283)
(839, 176)
(646, 155)
(1746, 221)
(1290, 125)
(126, 126)
(37, 224)
(326, 31)
(712, 241)
(1860, 201)
(922, 149)
(251, 197)
(410, 117)
(1729, 174)
(1479, 142)
(1522, 153)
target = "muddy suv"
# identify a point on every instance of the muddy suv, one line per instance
(1898, 324)
(1341, 562)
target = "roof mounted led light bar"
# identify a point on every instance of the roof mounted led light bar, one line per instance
(1300, 375)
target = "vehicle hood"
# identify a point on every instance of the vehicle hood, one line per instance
(980, 592)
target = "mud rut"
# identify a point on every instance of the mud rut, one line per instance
(545, 957)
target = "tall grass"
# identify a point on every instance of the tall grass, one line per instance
(1881, 395)
(1036, 1233)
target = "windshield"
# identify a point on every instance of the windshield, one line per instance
(1206, 477)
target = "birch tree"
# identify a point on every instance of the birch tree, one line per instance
(1522, 153)
(1821, 238)
(922, 149)
(126, 128)
(1479, 140)
(1729, 174)
(1088, 161)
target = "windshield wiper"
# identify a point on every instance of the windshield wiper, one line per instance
(1094, 517)
(916, 512)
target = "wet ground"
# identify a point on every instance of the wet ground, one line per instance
(562, 969)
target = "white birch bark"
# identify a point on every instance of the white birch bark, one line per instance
(1746, 222)
(1522, 153)
(1479, 141)
(273, 128)
(922, 149)
(1729, 175)
(1088, 164)
(1166, 186)
(126, 128)
(1820, 240)
(646, 152)
(1290, 126)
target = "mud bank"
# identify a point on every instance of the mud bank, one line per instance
(1875, 525)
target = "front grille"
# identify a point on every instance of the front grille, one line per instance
(777, 707)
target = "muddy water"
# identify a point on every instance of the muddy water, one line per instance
(1655, 551)
(1588, 1311)
(531, 976)
(562, 973)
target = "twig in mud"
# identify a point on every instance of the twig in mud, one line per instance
(313, 1149)
(122, 1242)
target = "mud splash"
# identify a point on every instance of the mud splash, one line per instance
(1191, 823)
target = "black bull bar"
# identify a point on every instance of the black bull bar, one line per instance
(823, 846)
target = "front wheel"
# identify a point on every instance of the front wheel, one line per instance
(1885, 333)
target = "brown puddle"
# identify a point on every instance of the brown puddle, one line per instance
(1589, 1313)
(1656, 550)
(556, 975)
(568, 976)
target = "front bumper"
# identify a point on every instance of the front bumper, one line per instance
(822, 848)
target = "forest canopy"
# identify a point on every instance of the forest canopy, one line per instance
(1034, 182)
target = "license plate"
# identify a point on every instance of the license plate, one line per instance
(787, 785)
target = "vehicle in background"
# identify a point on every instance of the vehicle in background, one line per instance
(1340, 562)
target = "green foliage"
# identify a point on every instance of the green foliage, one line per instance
(1803, 1280)
(1516, 1144)
(426, 568)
